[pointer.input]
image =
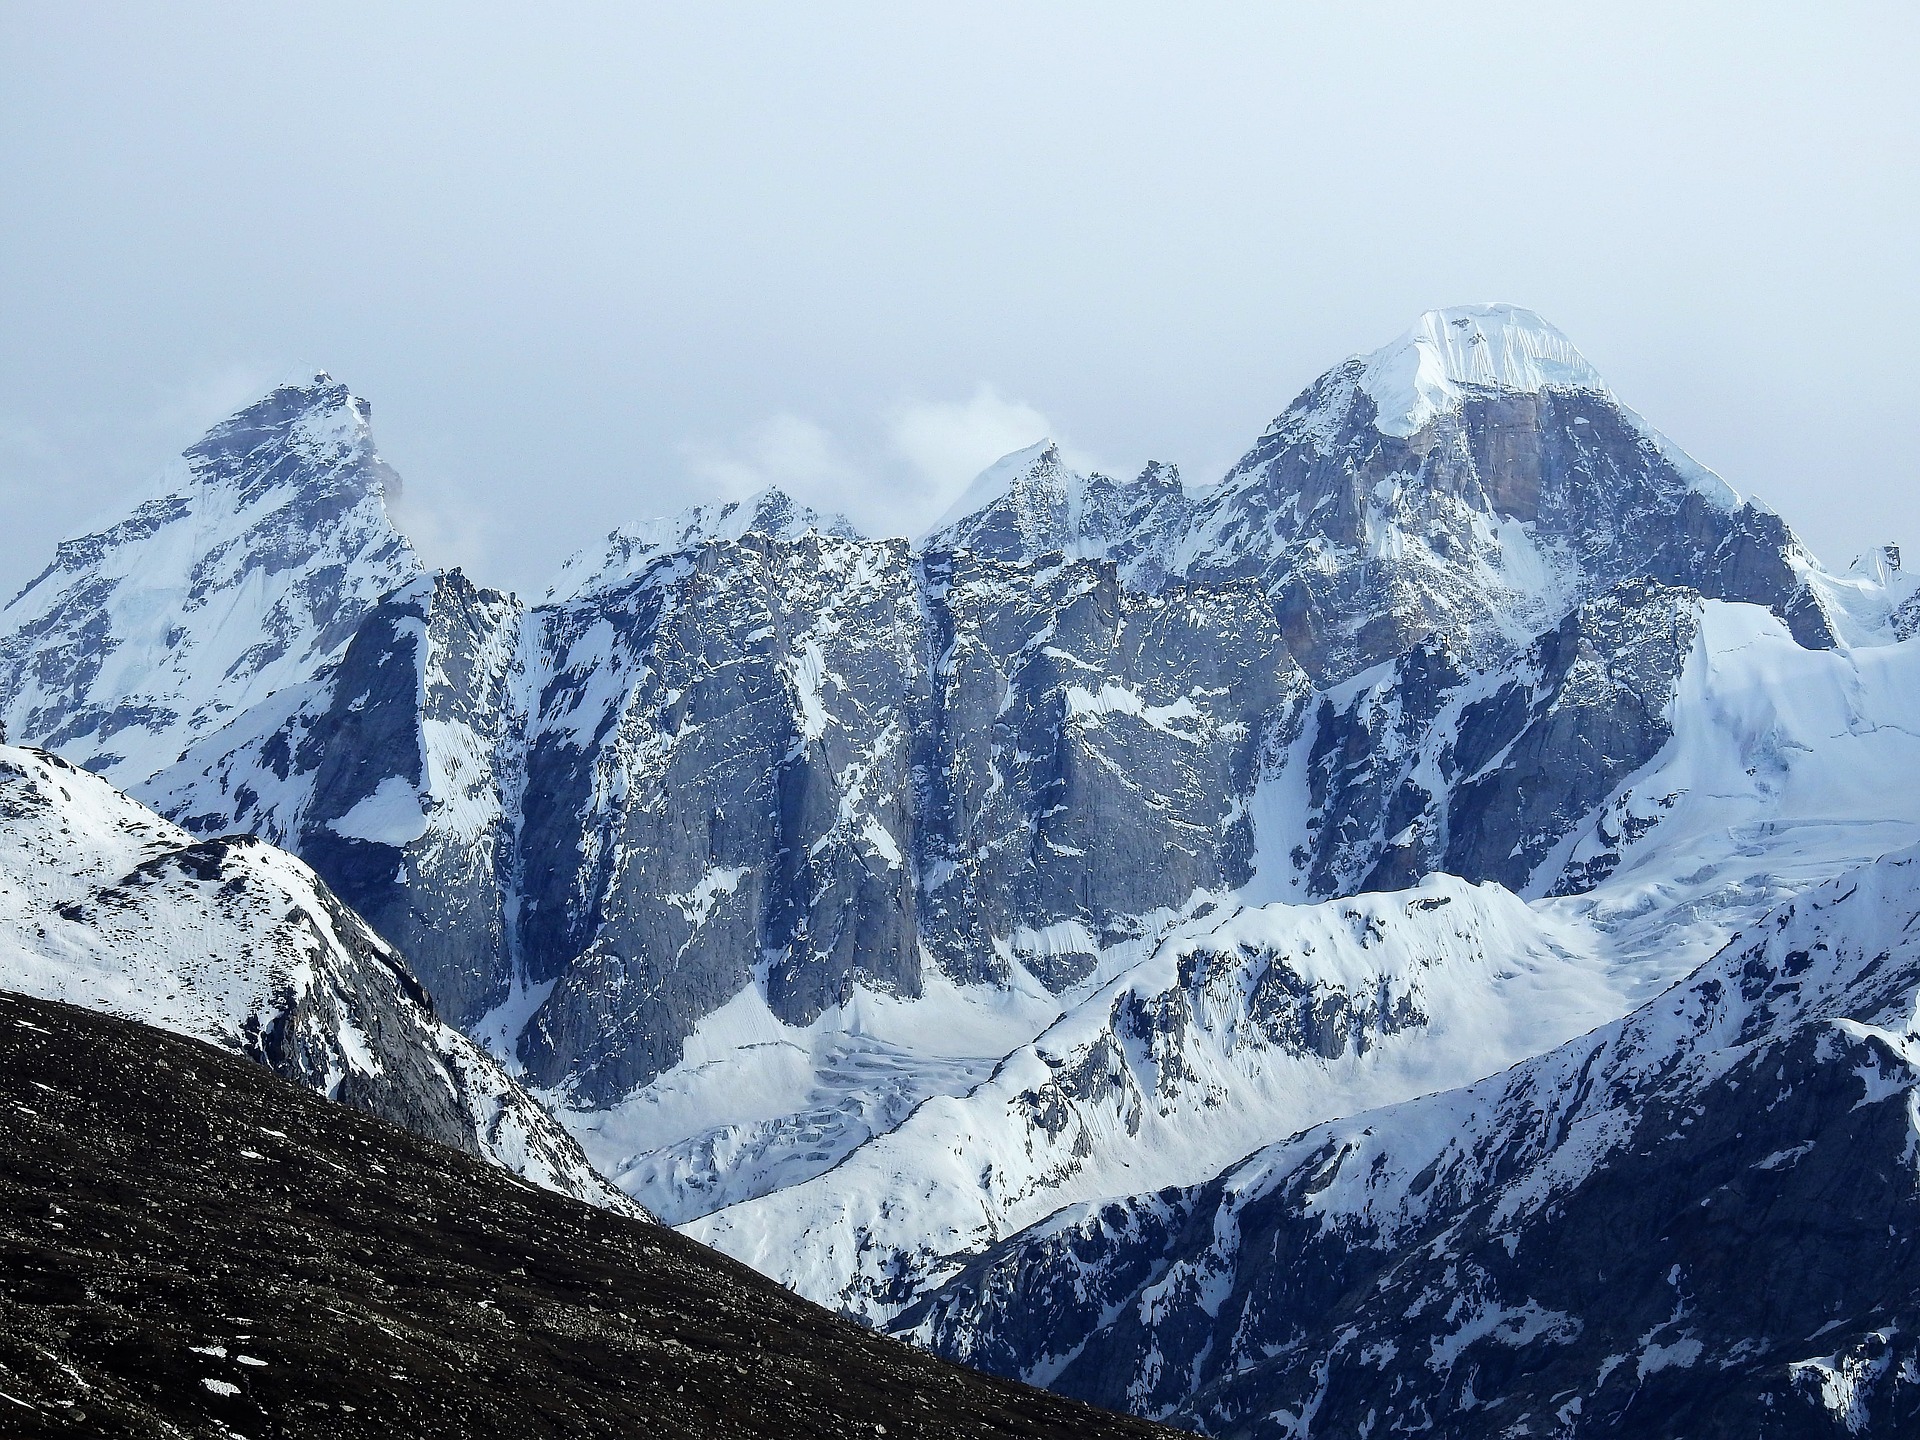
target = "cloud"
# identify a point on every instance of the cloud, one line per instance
(946, 443)
(445, 529)
(788, 451)
(184, 409)
(895, 478)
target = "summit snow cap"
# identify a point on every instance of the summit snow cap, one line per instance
(1039, 464)
(245, 570)
(1431, 369)
(630, 549)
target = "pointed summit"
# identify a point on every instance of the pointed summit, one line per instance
(298, 432)
(1475, 479)
(1032, 503)
(1035, 467)
(1448, 354)
(770, 512)
(258, 552)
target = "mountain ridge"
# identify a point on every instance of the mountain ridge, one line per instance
(858, 901)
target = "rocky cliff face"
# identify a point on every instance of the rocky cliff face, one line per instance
(758, 752)
(1090, 745)
(718, 793)
(1426, 765)
(1032, 504)
(385, 773)
(1482, 525)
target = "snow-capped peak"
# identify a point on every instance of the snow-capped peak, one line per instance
(243, 571)
(1430, 369)
(319, 421)
(770, 512)
(1038, 465)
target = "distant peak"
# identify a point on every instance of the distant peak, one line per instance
(1447, 353)
(1000, 479)
(770, 512)
(316, 414)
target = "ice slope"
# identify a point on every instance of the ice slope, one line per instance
(1781, 773)
(106, 905)
(758, 1105)
(243, 575)
(1243, 1025)
(1448, 354)
(1695, 1221)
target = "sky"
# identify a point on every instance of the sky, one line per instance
(592, 263)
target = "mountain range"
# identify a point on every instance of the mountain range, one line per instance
(1140, 937)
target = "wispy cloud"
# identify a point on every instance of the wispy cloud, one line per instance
(894, 477)
(788, 451)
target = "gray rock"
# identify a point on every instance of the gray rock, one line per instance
(1372, 542)
(1483, 773)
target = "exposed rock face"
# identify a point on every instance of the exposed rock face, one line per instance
(247, 574)
(1088, 747)
(1484, 773)
(718, 787)
(1696, 1221)
(231, 941)
(807, 762)
(1482, 526)
(790, 759)
(385, 773)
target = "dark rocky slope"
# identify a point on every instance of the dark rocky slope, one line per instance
(190, 1246)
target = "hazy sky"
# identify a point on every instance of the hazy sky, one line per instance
(592, 263)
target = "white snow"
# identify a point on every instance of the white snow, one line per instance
(756, 1105)
(698, 903)
(394, 814)
(1429, 369)
(105, 905)
(1492, 981)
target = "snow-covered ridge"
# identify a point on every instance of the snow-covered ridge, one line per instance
(1636, 1195)
(630, 549)
(1432, 367)
(1238, 1027)
(106, 905)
